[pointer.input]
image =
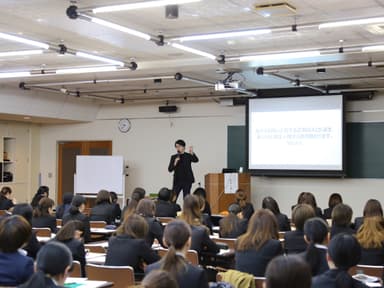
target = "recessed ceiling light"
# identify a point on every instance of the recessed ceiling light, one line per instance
(231, 42)
(195, 15)
(247, 9)
(40, 20)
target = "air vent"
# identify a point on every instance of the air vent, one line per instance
(275, 9)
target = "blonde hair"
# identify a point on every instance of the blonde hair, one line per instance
(371, 233)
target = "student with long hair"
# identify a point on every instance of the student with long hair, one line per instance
(177, 237)
(344, 252)
(259, 245)
(341, 220)
(232, 226)
(371, 209)
(43, 215)
(25, 210)
(158, 279)
(15, 267)
(294, 240)
(200, 233)
(316, 235)
(53, 265)
(334, 200)
(116, 206)
(287, 272)
(6, 201)
(103, 210)
(246, 208)
(128, 247)
(42, 192)
(137, 194)
(76, 213)
(371, 239)
(282, 219)
(309, 198)
(146, 208)
(200, 191)
(71, 235)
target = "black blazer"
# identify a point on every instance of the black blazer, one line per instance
(155, 231)
(116, 211)
(340, 229)
(328, 280)
(294, 242)
(45, 222)
(247, 210)
(126, 251)
(5, 203)
(191, 277)
(103, 212)
(358, 222)
(33, 246)
(374, 256)
(283, 221)
(62, 210)
(183, 170)
(166, 209)
(78, 253)
(239, 228)
(201, 241)
(322, 265)
(328, 213)
(83, 218)
(255, 261)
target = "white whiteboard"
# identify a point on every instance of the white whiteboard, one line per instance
(94, 173)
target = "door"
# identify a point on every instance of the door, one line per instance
(67, 161)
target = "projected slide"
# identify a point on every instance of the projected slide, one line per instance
(300, 133)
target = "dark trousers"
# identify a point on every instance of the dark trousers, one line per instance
(186, 187)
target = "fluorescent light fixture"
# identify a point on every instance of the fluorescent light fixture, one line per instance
(85, 70)
(224, 35)
(99, 58)
(193, 51)
(120, 28)
(376, 48)
(280, 56)
(352, 22)
(23, 40)
(20, 53)
(140, 5)
(14, 74)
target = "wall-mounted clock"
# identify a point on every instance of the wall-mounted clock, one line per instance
(124, 125)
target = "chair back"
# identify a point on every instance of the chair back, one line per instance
(3, 212)
(59, 222)
(87, 211)
(165, 220)
(121, 276)
(230, 242)
(192, 256)
(76, 269)
(97, 224)
(376, 271)
(42, 232)
(95, 249)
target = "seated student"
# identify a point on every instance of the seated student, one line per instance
(103, 211)
(76, 213)
(372, 208)
(128, 247)
(205, 218)
(200, 233)
(63, 209)
(42, 215)
(246, 207)
(259, 245)
(158, 279)
(341, 220)
(130, 208)
(371, 240)
(177, 237)
(232, 226)
(343, 253)
(71, 235)
(164, 206)
(146, 208)
(200, 191)
(288, 272)
(334, 199)
(15, 267)
(6, 202)
(42, 192)
(53, 265)
(294, 240)
(25, 210)
(309, 198)
(116, 206)
(316, 235)
(282, 219)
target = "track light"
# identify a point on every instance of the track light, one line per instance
(99, 58)
(21, 53)
(141, 5)
(321, 70)
(23, 40)
(193, 51)
(85, 70)
(62, 49)
(280, 56)
(224, 35)
(297, 82)
(260, 71)
(221, 59)
(352, 22)
(14, 74)
(178, 76)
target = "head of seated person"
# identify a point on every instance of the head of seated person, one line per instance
(372, 208)
(228, 224)
(300, 214)
(334, 199)
(44, 208)
(103, 197)
(159, 279)
(15, 232)
(71, 230)
(25, 210)
(146, 208)
(164, 194)
(191, 210)
(342, 215)
(134, 226)
(77, 205)
(271, 204)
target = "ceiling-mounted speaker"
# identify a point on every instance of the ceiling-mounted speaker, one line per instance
(172, 11)
(168, 109)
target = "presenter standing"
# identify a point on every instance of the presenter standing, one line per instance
(180, 163)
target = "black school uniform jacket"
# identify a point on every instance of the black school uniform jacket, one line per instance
(183, 170)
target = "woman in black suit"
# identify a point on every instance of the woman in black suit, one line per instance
(259, 245)
(246, 208)
(42, 215)
(334, 199)
(42, 192)
(282, 219)
(344, 252)
(146, 208)
(6, 203)
(206, 208)
(70, 235)
(177, 237)
(164, 206)
(129, 248)
(76, 213)
(53, 264)
(341, 220)
(104, 210)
